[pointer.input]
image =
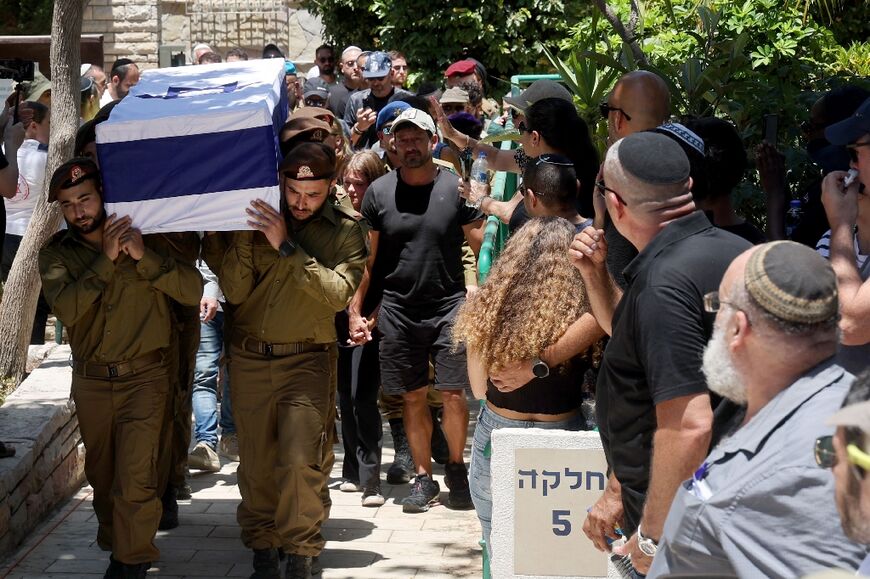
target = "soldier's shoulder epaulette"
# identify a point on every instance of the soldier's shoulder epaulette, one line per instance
(346, 212)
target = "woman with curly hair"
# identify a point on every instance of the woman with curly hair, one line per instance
(530, 298)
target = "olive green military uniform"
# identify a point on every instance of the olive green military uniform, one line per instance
(118, 318)
(283, 369)
(184, 343)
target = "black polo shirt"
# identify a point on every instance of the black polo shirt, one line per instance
(660, 330)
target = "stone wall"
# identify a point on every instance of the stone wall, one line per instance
(39, 421)
(135, 29)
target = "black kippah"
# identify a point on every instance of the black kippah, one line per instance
(653, 158)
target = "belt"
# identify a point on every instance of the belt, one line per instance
(118, 369)
(249, 344)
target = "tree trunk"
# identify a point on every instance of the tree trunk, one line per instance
(22, 288)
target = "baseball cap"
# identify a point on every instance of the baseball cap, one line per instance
(309, 162)
(538, 91)
(289, 67)
(792, 282)
(454, 95)
(37, 87)
(72, 173)
(378, 65)
(390, 113)
(315, 87)
(851, 129)
(414, 117)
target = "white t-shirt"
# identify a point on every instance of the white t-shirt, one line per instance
(31, 174)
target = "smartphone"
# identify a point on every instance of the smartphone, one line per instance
(770, 128)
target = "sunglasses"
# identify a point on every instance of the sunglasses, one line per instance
(315, 102)
(400, 67)
(450, 109)
(605, 109)
(853, 150)
(557, 160)
(826, 456)
(600, 187)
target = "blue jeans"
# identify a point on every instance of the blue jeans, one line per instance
(479, 475)
(205, 383)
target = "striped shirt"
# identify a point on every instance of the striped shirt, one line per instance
(824, 249)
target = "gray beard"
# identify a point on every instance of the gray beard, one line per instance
(722, 377)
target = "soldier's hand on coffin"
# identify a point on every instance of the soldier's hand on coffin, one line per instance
(132, 243)
(263, 217)
(113, 229)
(365, 118)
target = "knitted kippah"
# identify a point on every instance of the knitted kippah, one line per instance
(792, 282)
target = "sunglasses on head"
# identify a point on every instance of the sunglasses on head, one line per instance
(557, 160)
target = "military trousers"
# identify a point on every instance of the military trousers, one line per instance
(282, 406)
(175, 432)
(120, 421)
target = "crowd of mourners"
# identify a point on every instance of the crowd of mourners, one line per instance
(725, 367)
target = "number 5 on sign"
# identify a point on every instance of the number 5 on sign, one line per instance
(561, 524)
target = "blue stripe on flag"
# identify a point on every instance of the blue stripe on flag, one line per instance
(193, 164)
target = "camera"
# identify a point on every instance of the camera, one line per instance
(17, 69)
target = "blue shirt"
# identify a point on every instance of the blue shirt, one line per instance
(760, 506)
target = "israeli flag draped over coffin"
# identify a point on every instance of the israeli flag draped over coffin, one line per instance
(190, 147)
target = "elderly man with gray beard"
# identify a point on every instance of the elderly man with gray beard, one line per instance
(759, 506)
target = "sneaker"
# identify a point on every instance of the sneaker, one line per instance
(348, 486)
(169, 517)
(438, 444)
(298, 567)
(204, 457)
(400, 471)
(456, 479)
(266, 564)
(423, 493)
(372, 498)
(229, 446)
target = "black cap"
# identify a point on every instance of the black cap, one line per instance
(315, 87)
(538, 91)
(851, 129)
(653, 158)
(792, 282)
(72, 173)
(309, 162)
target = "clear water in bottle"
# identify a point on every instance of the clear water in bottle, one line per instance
(479, 179)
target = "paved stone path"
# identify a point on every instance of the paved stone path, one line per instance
(362, 542)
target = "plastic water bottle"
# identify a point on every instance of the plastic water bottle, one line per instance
(479, 180)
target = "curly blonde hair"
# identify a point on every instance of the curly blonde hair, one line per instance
(531, 296)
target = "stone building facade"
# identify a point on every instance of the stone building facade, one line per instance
(137, 29)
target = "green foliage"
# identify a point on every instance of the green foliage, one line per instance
(25, 16)
(740, 60)
(501, 34)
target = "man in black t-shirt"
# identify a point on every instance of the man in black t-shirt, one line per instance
(418, 226)
(363, 106)
(652, 404)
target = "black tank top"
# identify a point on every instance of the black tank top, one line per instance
(558, 393)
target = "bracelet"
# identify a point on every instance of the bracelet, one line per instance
(357, 131)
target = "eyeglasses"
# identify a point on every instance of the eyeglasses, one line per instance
(351, 63)
(601, 188)
(853, 150)
(557, 160)
(605, 109)
(713, 304)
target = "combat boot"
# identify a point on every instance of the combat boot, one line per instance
(298, 567)
(266, 564)
(403, 465)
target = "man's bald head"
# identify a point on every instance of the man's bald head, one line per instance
(643, 100)
(647, 168)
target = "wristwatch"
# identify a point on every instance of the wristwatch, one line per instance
(540, 368)
(647, 546)
(286, 248)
